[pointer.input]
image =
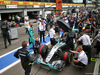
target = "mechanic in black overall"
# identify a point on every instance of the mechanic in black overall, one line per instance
(36, 45)
(23, 54)
(69, 39)
(6, 32)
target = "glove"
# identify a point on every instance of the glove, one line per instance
(31, 63)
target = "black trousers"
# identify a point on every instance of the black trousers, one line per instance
(92, 31)
(79, 63)
(35, 50)
(27, 68)
(27, 30)
(47, 26)
(71, 46)
(42, 33)
(53, 42)
(87, 50)
(80, 29)
(98, 47)
(6, 37)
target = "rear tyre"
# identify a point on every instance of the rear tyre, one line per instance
(67, 57)
(63, 35)
(43, 50)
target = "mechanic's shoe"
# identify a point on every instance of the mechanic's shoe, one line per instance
(9, 44)
(82, 69)
(5, 46)
(89, 62)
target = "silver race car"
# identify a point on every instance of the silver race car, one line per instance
(58, 56)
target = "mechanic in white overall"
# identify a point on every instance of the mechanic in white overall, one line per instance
(52, 36)
(86, 45)
(82, 60)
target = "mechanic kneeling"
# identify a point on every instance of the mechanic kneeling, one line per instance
(23, 54)
(82, 60)
(36, 45)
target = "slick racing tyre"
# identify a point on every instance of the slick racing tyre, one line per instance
(43, 50)
(67, 57)
(63, 35)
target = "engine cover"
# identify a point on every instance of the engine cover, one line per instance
(53, 50)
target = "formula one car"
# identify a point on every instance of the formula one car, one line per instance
(58, 56)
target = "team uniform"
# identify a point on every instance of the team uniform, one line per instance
(82, 58)
(42, 32)
(98, 44)
(27, 27)
(31, 37)
(52, 32)
(36, 46)
(86, 45)
(5, 29)
(69, 40)
(23, 54)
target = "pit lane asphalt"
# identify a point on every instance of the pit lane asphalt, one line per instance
(69, 69)
(18, 70)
